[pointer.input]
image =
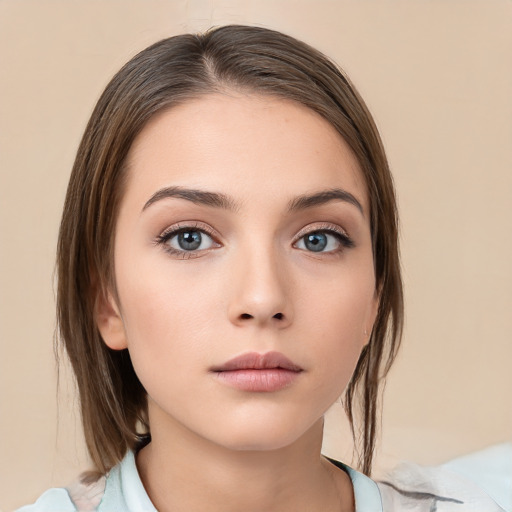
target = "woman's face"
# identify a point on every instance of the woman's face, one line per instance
(244, 269)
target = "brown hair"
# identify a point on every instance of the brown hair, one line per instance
(172, 71)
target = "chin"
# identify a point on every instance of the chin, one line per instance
(260, 444)
(262, 436)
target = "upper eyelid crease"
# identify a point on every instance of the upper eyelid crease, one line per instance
(321, 226)
(324, 228)
(172, 231)
(181, 227)
(225, 202)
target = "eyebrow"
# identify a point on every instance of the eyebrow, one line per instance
(225, 202)
(213, 199)
(325, 196)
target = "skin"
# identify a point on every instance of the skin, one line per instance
(254, 286)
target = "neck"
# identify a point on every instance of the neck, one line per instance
(182, 471)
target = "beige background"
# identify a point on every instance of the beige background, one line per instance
(437, 76)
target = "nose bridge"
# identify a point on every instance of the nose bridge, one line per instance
(260, 287)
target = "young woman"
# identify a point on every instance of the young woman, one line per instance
(228, 267)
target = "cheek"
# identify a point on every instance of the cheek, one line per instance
(165, 314)
(337, 316)
(166, 322)
(343, 306)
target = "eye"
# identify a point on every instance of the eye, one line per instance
(324, 240)
(186, 241)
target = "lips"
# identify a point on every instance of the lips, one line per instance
(255, 361)
(258, 372)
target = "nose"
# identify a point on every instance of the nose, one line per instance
(261, 292)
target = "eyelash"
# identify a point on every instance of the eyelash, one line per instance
(163, 239)
(342, 237)
(175, 230)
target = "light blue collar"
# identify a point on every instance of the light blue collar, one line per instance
(124, 489)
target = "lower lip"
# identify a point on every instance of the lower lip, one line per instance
(265, 380)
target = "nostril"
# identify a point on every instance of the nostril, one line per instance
(247, 316)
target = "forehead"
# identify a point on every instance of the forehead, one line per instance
(243, 144)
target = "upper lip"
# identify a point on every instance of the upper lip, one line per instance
(255, 361)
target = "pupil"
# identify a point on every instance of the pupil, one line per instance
(189, 240)
(316, 242)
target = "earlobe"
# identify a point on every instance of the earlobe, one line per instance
(109, 321)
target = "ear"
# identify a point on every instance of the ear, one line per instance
(109, 321)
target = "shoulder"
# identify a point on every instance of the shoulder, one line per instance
(442, 488)
(121, 489)
(490, 469)
(53, 500)
(475, 483)
(79, 496)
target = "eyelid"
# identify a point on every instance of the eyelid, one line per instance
(343, 239)
(163, 238)
(188, 225)
(322, 226)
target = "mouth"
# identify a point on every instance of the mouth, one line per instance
(258, 372)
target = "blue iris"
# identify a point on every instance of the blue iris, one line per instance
(316, 241)
(189, 240)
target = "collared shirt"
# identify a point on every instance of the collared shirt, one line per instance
(409, 487)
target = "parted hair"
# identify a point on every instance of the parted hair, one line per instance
(172, 71)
